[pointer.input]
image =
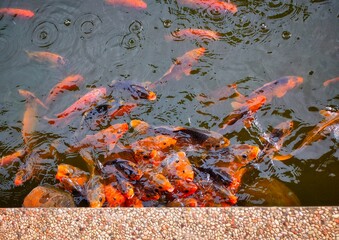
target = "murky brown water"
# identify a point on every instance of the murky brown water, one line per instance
(263, 41)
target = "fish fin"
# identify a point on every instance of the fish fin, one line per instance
(237, 105)
(187, 71)
(281, 157)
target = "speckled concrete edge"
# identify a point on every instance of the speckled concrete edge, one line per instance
(171, 223)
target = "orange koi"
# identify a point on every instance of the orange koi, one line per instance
(139, 4)
(215, 5)
(183, 189)
(244, 111)
(160, 182)
(134, 202)
(24, 13)
(193, 33)
(71, 177)
(70, 83)
(8, 159)
(30, 116)
(106, 137)
(124, 109)
(52, 58)
(159, 142)
(89, 99)
(178, 165)
(113, 196)
(331, 81)
(183, 65)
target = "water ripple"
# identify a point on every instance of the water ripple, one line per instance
(45, 34)
(8, 48)
(87, 25)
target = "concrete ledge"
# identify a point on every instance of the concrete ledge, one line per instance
(171, 223)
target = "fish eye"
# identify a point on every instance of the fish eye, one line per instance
(100, 199)
(244, 156)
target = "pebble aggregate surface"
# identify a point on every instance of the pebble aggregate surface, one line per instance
(170, 223)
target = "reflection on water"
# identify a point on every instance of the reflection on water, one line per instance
(260, 42)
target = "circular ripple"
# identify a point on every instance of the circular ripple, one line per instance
(87, 25)
(279, 9)
(45, 34)
(130, 41)
(8, 48)
(136, 27)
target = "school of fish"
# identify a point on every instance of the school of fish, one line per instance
(136, 164)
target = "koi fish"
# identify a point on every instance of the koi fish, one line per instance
(183, 65)
(136, 91)
(23, 13)
(214, 5)
(193, 33)
(244, 111)
(159, 181)
(89, 99)
(184, 135)
(113, 196)
(331, 118)
(52, 58)
(70, 83)
(71, 177)
(177, 165)
(331, 81)
(128, 3)
(106, 137)
(275, 140)
(277, 88)
(8, 159)
(129, 168)
(159, 142)
(220, 94)
(95, 192)
(29, 120)
(117, 178)
(48, 196)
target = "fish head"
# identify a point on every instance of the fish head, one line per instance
(161, 182)
(139, 126)
(95, 192)
(245, 153)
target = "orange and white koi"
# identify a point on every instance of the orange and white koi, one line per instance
(30, 116)
(23, 13)
(215, 5)
(89, 99)
(69, 83)
(113, 196)
(193, 33)
(182, 65)
(331, 81)
(49, 57)
(138, 4)
(277, 88)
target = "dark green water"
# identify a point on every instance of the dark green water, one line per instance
(263, 41)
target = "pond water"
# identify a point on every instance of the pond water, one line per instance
(263, 41)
